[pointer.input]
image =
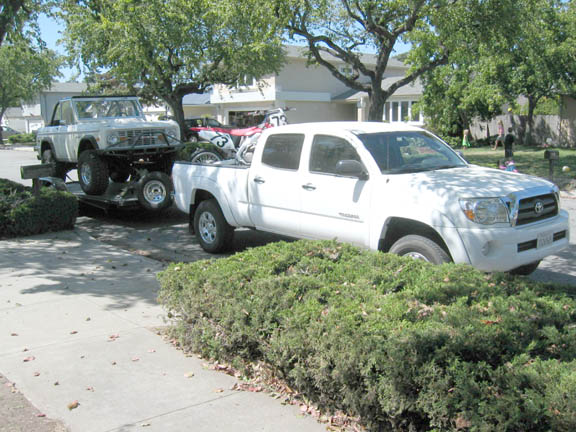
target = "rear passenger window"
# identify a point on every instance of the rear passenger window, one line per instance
(283, 151)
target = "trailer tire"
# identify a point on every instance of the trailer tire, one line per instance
(213, 233)
(154, 191)
(420, 248)
(92, 173)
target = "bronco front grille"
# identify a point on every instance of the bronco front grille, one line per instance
(537, 208)
(142, 137)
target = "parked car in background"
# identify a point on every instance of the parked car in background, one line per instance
(8, 131)
(197, 124)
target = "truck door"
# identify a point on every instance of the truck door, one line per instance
(333, 206)
(274, 185)
(68, 130)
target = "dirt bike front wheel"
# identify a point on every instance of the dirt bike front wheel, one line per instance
(203, 156)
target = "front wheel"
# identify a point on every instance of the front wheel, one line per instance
(154, 191)
(203, 156)
(420, 248)
(92, 173)
(214, 234)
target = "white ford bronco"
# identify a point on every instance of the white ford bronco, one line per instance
(108, 139)
(393, 188)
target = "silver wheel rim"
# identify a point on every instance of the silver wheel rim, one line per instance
(154, 192)
(86, 174)
(207, 227)
(206, 157)
(417, 256)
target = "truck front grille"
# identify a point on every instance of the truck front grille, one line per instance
(537, 208)
(143, 137)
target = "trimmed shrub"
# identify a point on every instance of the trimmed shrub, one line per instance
(22, 138)
(22, 213)
(405, 345)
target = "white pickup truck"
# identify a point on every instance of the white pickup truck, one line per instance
(393, 188)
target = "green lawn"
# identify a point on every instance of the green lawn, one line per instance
(529, 160)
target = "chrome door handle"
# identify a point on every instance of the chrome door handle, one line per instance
(259, 180)
(309, 187)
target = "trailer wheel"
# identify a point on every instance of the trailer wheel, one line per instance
(58, 168)
(92, 173)
(154, 191)
(420, 248)
(205, 156)
(213, 233)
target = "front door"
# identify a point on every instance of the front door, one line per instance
(334, 206)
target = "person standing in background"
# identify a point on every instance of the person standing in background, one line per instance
(466, 139)
(509, 144)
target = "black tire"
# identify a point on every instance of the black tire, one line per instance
(154, 191)
(59, 169)
(204, 156)
(193, 138)
(526, 269)
(213, 233)
(421, 248)
(92, 173)
(119, 176)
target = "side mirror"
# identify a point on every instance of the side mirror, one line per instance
(351, 168)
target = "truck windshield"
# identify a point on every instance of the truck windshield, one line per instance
(409, 152)
(106, 108)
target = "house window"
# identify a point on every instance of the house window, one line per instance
(403, 111)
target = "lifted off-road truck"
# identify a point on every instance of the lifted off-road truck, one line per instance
(110, 141)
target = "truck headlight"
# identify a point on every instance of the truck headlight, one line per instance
(485, 211)
(113, 139)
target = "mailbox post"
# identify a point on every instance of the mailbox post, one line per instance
(34, 172)
(552, 156)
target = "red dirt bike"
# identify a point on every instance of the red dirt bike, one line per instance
(234, 143)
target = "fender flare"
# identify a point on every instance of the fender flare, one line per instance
(218, 196)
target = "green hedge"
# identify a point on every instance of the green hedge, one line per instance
(22, 138)
(22, 213)
(405, 345)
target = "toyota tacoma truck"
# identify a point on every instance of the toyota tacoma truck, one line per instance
(393, 188)
(109, 140)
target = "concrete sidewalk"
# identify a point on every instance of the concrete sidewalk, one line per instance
(78, 322)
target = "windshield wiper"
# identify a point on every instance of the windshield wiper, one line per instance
(442, 167)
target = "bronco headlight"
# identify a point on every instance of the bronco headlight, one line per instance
(485, 211)
(113, 139)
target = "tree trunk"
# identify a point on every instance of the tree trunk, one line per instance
(1, 117)
(175, 103)
(376, 105)
(529, 139)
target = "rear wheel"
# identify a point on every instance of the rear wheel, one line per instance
(155, 191)
(420, 248)
(212, 231)
(525, 270)
(58, 168)
(92, 173)
(205, 156)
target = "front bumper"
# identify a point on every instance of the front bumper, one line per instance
(504, 249)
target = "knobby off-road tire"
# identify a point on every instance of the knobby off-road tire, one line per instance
(213, 233)
(420, 248)
(154, 191)
(205, 156)
(58, 168)
(92, 173)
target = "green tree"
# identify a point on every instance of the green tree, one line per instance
(342, 29)
(25, 72)
(171, 48)
(18, 18)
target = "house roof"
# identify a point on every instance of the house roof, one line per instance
(196, 99)
(67, 87)
(413, 89)
(295, 51)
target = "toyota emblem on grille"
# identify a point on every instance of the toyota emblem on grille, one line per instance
(538, 207)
